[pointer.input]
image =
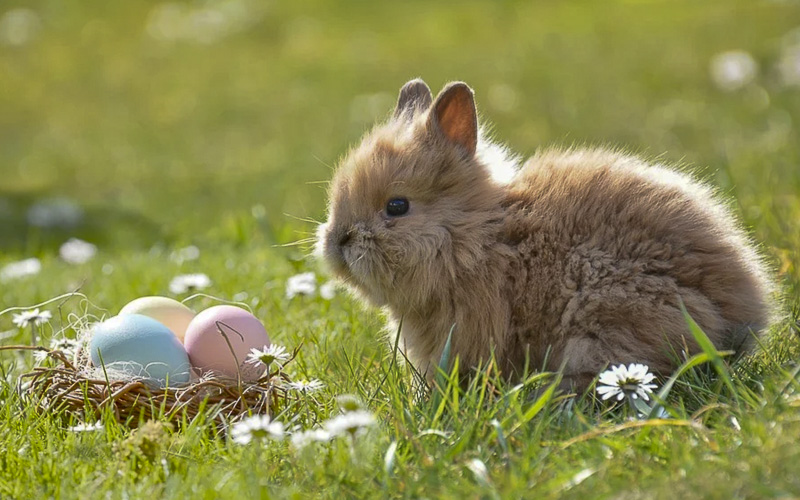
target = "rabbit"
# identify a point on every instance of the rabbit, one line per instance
(575, 261)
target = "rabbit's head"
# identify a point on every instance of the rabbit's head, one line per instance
(412, 207)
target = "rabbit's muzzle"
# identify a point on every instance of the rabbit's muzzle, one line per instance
(345, 247)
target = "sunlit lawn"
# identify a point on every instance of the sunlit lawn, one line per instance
(156, 127)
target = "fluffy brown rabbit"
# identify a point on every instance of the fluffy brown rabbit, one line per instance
(578, 259)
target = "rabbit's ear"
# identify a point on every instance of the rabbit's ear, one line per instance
(415, 96)
(454, 115)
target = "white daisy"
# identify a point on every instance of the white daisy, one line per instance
(76, 251)
(20, 269)
(302, 439)
(306, 386)
(86, 427)
(32, 317)
(301, 284)
(257, 427)
(733, 70)
(633, 380)
(19, 26)
(268, 355)
(327, 290)
(189, 283)
(350, 423)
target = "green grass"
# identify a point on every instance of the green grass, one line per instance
(226, 146)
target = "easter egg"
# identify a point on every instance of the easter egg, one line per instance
(211, 353)
(141, 347)
(169, 312)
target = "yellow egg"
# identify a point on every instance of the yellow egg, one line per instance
(166, 311)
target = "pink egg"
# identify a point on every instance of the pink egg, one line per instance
(208, 351)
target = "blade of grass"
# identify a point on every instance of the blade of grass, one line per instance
(714, 355)
(687, 365)
(442, 371)
(391, 362)
(534, 410)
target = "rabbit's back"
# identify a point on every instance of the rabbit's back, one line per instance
(608, 247)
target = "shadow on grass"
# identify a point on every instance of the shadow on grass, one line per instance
(35, 222)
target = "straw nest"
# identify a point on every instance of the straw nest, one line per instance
(75, 388)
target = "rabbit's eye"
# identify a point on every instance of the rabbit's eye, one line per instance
(397, 207)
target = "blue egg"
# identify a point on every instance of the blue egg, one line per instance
(142, 347)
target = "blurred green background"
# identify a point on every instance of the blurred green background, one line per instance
(215, 123)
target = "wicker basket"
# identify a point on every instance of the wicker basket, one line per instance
(70, 387)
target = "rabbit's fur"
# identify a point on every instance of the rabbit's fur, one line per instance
(581, 260)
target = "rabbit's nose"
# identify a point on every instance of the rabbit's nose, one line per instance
(344, 238)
